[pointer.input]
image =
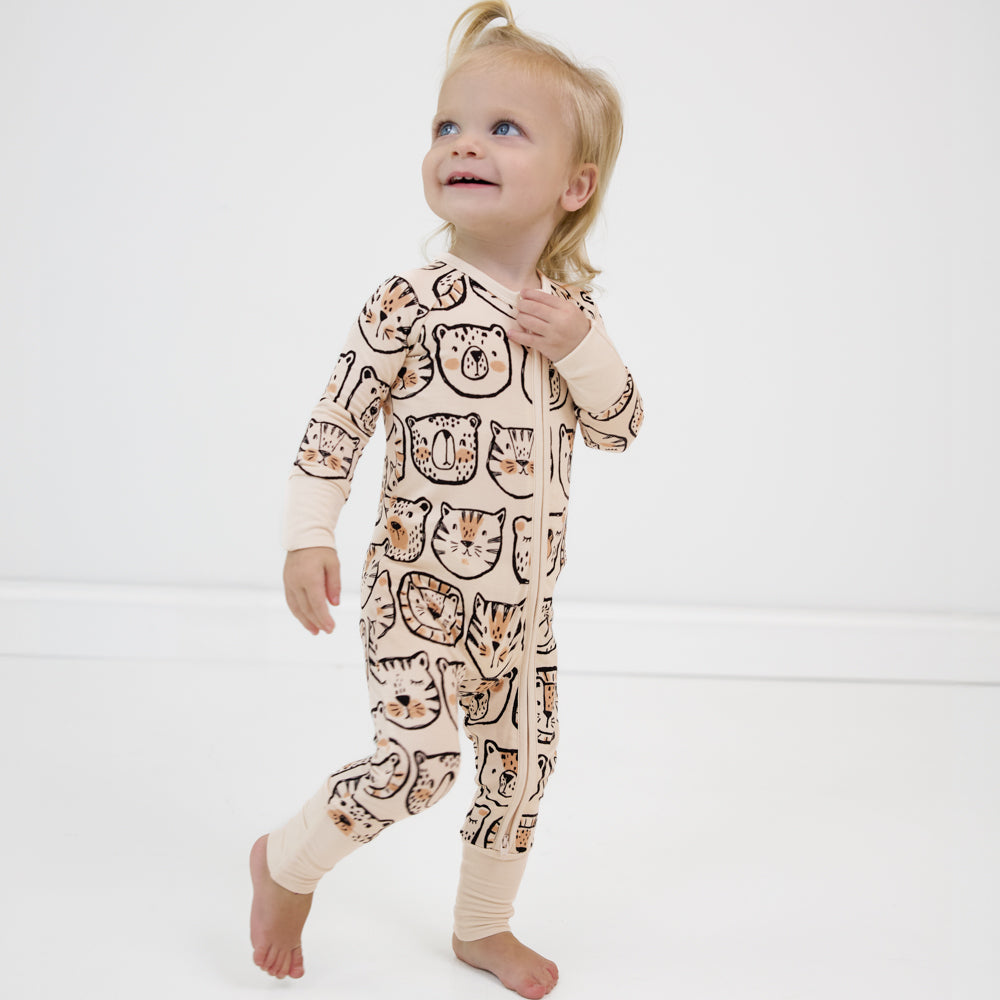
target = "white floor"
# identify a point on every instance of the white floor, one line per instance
(702, 839)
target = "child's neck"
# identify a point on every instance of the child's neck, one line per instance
(511, 266)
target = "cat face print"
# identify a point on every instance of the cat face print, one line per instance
(444, 447)
(467, 542)
(495, 637)
(431, 608)
(389, 315)
(511, 462)
(327, 451)
(410, 699)
(405, 520)
(414, 374)
(473, 360)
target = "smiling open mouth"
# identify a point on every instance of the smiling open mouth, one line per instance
(469, 180)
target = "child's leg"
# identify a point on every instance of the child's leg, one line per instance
(513, 768)
(414, 764)
(487, 887)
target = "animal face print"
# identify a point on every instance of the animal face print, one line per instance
(495, 636)
(405, 521)
(431, 608)
(445, 446)
(435, 776)
(412, 699)
(522, 548)
(498, 774)
(546, 637)
(545, 703)
(555, 549)
(473, 360)
(354, 821)
(414, 374)
(327, 451)
(395, 456)
(510, 461)
(449, 290)
(558, 389)
(366, 400)
(388, 771)
(388, 316)
(339, 376)
(488, 700)
(636, 422)
(379, 606)
(467, 542)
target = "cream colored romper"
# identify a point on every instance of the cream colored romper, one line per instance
(457, 586)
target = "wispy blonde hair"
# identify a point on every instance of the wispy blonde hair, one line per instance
(594, 106)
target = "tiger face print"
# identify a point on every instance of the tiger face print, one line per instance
(495, 636)
(414, 374)
(327, 451)
(389, 315)
(510, 461)
(467, 542)
(411, 699)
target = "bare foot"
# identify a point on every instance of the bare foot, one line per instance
(277, 917)
(515, 965)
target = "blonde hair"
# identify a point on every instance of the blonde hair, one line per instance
(596, 115)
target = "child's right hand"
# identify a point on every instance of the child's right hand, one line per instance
(312, 578)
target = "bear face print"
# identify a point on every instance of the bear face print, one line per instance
(445, 446)
(365, 401)
(405, 520)
(473, 360)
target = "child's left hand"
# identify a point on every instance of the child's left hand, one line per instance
(549, 324)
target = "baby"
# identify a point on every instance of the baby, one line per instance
(484, 365)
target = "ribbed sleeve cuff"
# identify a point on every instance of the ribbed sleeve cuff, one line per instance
(312, 508)
(594, 371)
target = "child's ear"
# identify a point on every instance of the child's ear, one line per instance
(582, 184)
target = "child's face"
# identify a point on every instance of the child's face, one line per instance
(500, 161)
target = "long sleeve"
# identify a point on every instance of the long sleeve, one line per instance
(609, 407)
(346, 416)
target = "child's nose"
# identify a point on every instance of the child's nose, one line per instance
(466, 146)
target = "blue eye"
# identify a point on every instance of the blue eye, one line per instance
(446, 128)
(506, 128)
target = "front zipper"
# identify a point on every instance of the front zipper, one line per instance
(526, 736)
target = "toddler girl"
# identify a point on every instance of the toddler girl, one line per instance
(485, 365)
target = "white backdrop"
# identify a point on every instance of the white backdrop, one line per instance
(800, 267)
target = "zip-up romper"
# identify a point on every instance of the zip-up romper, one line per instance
(470, 539)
